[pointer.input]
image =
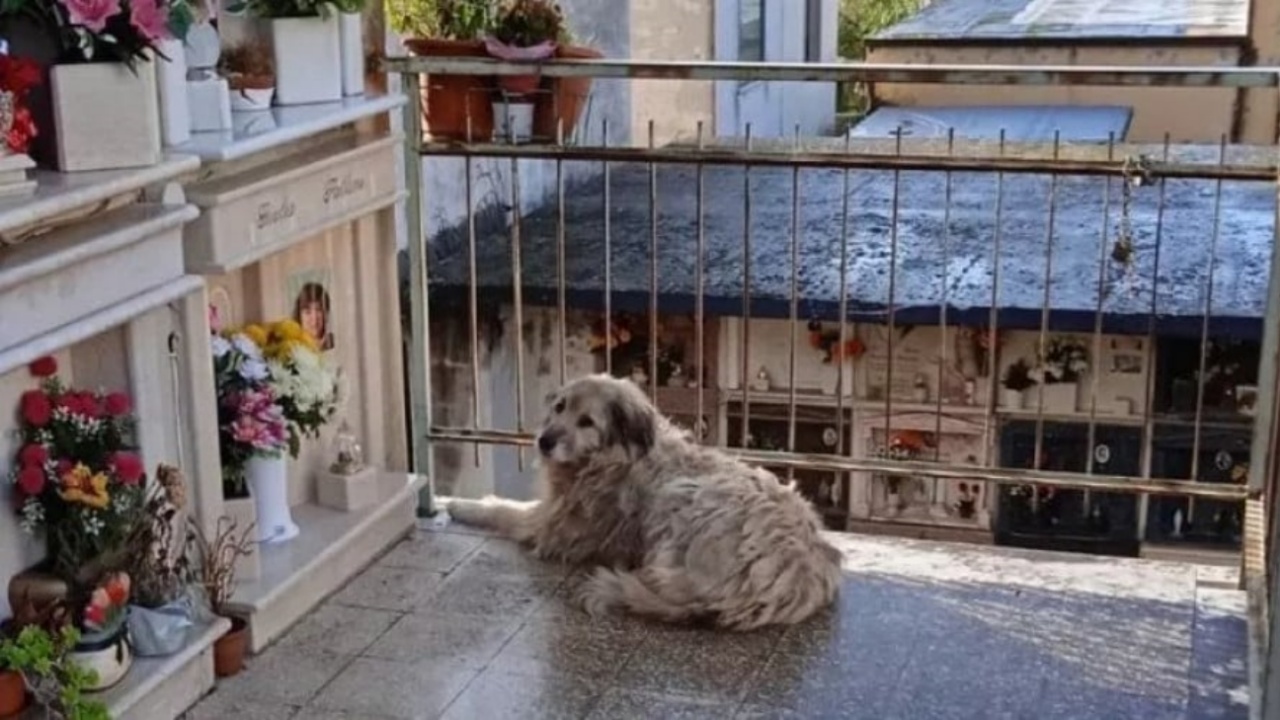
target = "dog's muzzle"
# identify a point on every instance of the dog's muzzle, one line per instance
(546, 444)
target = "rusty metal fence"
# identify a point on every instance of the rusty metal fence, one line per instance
(1139, 256)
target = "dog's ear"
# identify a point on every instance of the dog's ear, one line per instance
(633, 425)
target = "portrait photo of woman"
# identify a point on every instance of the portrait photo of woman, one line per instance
(311, 310)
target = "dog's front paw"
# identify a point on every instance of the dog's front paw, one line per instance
(467, 511)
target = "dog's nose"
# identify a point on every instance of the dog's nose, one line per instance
(546, 444)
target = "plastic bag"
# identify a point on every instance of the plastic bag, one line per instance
(156, 632)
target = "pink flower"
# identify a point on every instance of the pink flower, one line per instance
(91, 14)
(150, 19)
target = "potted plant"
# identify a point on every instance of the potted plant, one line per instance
(252, 432)
(161, 611)
(43, 662)
(351, 41)
(103, 646)
(13, 688)
(214, 567)
(79, 484)
(1017, 379)
(524, 30)
(454, 107)
(250, 73)
(306, 43)
(1062, 363)
(96, 82)
(556, 112)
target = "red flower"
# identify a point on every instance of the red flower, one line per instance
(33, 455)
(44, 367)
(31, 480)
(36, 408)
(18, 75)
(118, 404)
(95, 615)
(127, 467)
(64, 466)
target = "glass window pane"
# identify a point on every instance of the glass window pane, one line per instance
(751, 30)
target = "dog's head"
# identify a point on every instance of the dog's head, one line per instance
(597, 414)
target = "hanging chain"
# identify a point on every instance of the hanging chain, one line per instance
(1136, 173)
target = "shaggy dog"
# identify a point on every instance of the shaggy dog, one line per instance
(681, 532)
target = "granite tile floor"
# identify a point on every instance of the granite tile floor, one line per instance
(457, 625)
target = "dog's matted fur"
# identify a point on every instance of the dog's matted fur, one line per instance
(682, 532)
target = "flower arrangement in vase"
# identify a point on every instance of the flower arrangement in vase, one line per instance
(523, 30)
(18, 76)
(454, 107)
(1063, 362)
(96, 84)
(1017, 380)
(253, 433)
(304, 383)
(306, 39)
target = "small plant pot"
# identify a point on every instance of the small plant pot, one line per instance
(513, 121)
(107, 654)
(229, 650)
(567, 99)
(13, 693)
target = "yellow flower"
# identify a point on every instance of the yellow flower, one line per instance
(82, 485)
(257, 334)
(290, 330)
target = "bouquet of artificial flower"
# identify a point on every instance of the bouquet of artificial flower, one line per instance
(251, 421)
(77, 477)
(1065, 361)
(108, 30)
(108, 602)
(304, 383)
(17, 77)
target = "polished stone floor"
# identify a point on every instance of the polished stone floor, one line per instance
(457, 625)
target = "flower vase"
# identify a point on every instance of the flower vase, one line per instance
(351, 37)
(105, 116)
(107, 654)
(308, 59)
(171, 81)
(1011, 399)
(1060, 397)
(268, 479)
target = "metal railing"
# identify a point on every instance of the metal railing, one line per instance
(1138, 182)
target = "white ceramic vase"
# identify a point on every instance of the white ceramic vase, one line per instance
(171, 81)
(308, 58)
(351, 37)
(1011, 399)
(106, 117)
(268, 480)
(109, 657)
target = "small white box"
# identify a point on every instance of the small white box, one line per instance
(106, 116)
(210, 105)
(348, 492)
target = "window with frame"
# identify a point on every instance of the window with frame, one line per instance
(813, 31)
(751, 30)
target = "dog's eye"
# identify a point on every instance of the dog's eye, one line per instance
(558, 407)
(585, 422)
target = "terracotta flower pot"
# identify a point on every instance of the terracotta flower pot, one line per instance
(519, 85)
(229, 650)
(567, 98)
(13, 693)
(448, 100)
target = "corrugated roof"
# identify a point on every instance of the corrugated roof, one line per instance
(1029, 20)
(1019, 123)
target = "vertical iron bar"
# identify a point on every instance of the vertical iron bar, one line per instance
(419, 310)
(517, 287)
(795, 303)
(935, 494)
(893, 285)
(653, 274)
(1044, 306)
(1096, 362)
(993, 322)
(562, 310)
(745, 360)
(608, 258)
(1149, 353)
(473, 307)
(698, 372)
(843, 362)
(1204, 327)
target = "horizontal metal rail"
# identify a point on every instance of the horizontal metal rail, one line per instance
(1001, 476)
(955, 74)
(683, 155)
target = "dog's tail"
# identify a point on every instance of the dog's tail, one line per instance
(663, 594)
(769, 593)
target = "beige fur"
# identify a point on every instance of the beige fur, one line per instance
(681, 532)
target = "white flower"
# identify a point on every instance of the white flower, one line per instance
(246, 347)
(220, 346)
(253, 370)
